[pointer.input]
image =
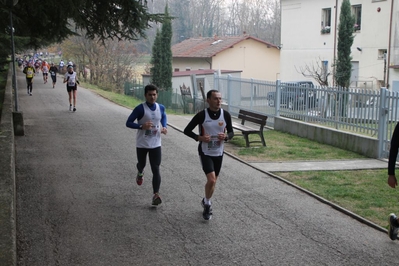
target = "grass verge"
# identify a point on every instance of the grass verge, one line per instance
(364, 192)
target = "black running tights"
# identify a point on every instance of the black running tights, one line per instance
(155, 161)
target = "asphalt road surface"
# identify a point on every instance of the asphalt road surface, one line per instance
(78, 202)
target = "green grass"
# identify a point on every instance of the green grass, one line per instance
(287, 147)
(120, 99)
(364, 192)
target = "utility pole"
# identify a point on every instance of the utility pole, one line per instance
(385, 69)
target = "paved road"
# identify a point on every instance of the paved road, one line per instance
(78, 203)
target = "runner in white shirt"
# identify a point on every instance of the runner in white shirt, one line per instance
(213, 123)
(71, 81)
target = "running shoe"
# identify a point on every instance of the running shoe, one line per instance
(207, 213)
(70, 108)
(393, 226)
(30, 94)
(156, 200)
(139, 178)
(74, 109)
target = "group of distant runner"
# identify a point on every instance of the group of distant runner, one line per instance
(31, 66)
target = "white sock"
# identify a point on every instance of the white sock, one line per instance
(207, 201)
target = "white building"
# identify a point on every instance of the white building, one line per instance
(309, 39)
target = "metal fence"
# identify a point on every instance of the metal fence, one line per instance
(373, 113)
(171, 99)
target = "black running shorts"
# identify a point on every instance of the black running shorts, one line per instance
(211, 164)
(72, 88)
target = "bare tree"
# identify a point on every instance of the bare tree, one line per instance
(317, 71)
(108, 64)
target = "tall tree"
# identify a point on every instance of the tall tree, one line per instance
(156, 60)
(166, 36)
(161, 60)
(343, 64)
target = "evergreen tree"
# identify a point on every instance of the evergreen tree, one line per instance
(166, 36)
(345, 40)
(161, 60)
(343, 63)
(156, 61)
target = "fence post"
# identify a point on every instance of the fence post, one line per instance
(229, 102)
(252, 94)
(382, 121)
(195, 91)
(277, 97)
(215, 81)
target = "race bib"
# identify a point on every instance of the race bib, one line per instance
(71, 82)
(52, 73)
(214, 144)
(152, 132)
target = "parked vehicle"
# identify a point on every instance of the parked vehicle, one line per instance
(294, 95)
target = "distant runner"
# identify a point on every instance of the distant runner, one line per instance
(53, 73)
(29, 71)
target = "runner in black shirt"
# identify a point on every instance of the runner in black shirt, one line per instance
(212, 123)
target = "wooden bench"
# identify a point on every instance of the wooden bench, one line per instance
(246, 130)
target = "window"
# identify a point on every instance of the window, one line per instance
(357, 13)
(326, 17)
(325, 20)
(382, 53)
(324, 69)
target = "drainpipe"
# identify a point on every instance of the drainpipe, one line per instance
(209, 62)
(389, 45)
(335, 40)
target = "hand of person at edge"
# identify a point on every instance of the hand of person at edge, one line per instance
(392, 182)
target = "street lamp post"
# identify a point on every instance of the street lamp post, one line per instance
(17, 116)
(12, 3)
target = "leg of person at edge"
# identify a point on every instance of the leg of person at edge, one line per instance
(213, 123)
(392, 182)
(151, 123)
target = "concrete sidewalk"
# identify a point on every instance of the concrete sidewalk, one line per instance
(179, 122)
